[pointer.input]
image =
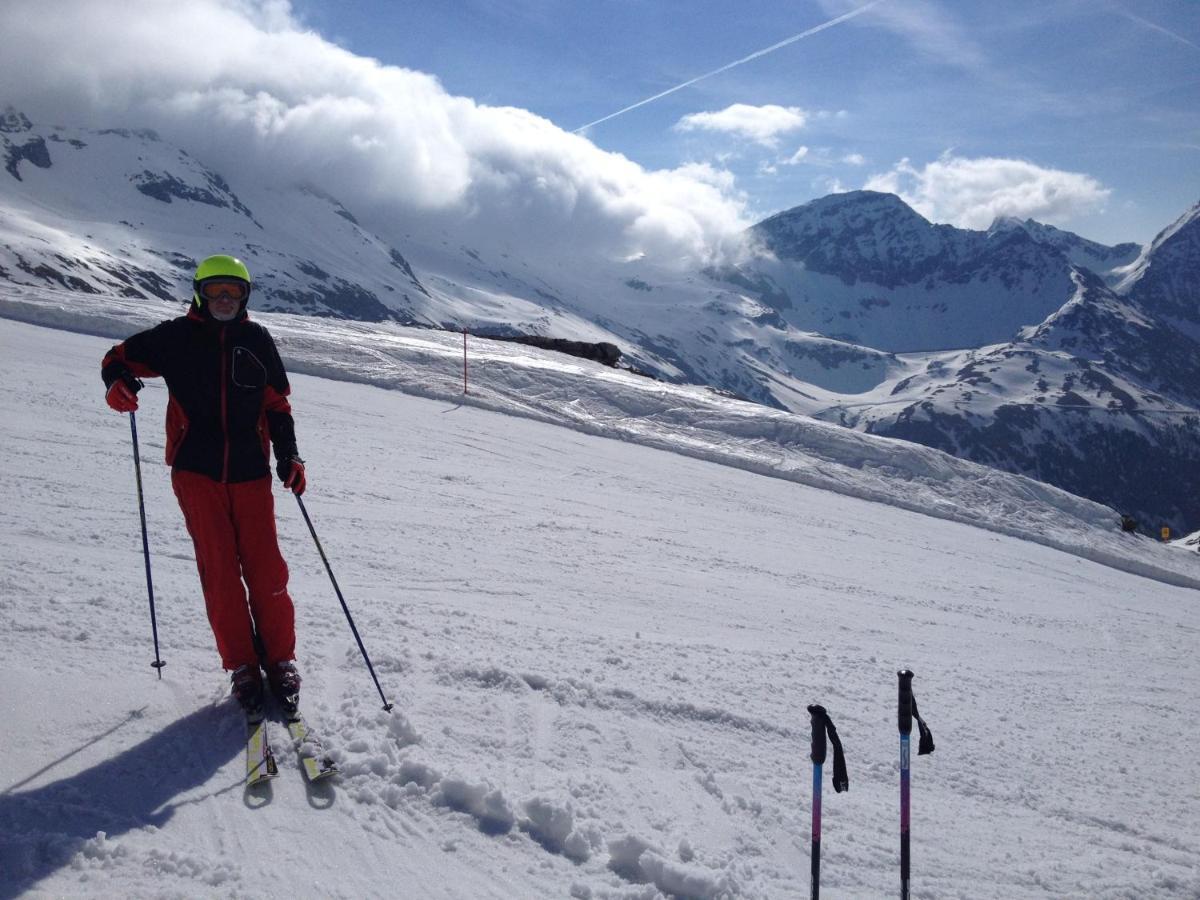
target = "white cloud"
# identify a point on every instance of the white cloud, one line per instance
(761, 124)
(242, 85)
(971, 193)
(854, 159)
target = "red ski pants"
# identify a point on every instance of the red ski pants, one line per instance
(233, 530)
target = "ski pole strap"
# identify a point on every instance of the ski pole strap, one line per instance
(926, 743)
(822, 726)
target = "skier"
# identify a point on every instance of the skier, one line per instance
(227, 396)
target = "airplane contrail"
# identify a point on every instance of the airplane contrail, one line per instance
(1148, 24)
(745, 59)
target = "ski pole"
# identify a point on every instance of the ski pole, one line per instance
(137, 468)
(907, 711)
(904, 716)
(822, 724)
(818, 761)
(349, 618)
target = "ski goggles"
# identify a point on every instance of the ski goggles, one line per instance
(216, 288)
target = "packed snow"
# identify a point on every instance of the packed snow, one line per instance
(600, 651)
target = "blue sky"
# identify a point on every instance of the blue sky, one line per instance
(972, 95)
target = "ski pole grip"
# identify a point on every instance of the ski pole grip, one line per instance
(818, 748)
(904, 712)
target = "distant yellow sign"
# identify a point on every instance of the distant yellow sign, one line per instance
(1166, 533)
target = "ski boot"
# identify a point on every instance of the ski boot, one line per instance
(285, 684)
(247, 689)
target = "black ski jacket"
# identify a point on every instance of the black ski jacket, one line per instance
(228, 393)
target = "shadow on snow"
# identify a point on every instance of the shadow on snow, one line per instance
(42, 829)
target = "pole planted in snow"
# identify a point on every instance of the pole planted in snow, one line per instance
(904, 720)
(822, 726)
(346, 609)
(817, 754)
(906, 714)
(137, 469)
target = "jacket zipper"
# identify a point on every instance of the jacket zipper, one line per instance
(224, 411)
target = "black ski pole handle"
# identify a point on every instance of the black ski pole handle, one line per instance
(904, 709)
(818, 747)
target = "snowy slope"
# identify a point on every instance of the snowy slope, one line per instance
(690, 420)
(601, 651)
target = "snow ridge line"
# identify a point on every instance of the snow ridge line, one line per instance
(685, 420)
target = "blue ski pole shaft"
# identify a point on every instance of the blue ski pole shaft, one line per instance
(137, 468)
(904, 720)
(349, 618)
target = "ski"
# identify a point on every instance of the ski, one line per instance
(314, 758)
(260, 760)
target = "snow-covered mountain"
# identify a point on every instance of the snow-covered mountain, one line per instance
(865, 267)
(121, 211)
(1100, 258)
(1101, 398)
(1080, 363)
(1165, 279)
(852, 307)
(104, 211)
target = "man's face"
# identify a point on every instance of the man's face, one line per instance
(224, 308)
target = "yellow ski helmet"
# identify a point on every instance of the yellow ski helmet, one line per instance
(220, 269)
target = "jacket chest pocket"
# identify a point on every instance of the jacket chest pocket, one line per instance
(248, 371)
